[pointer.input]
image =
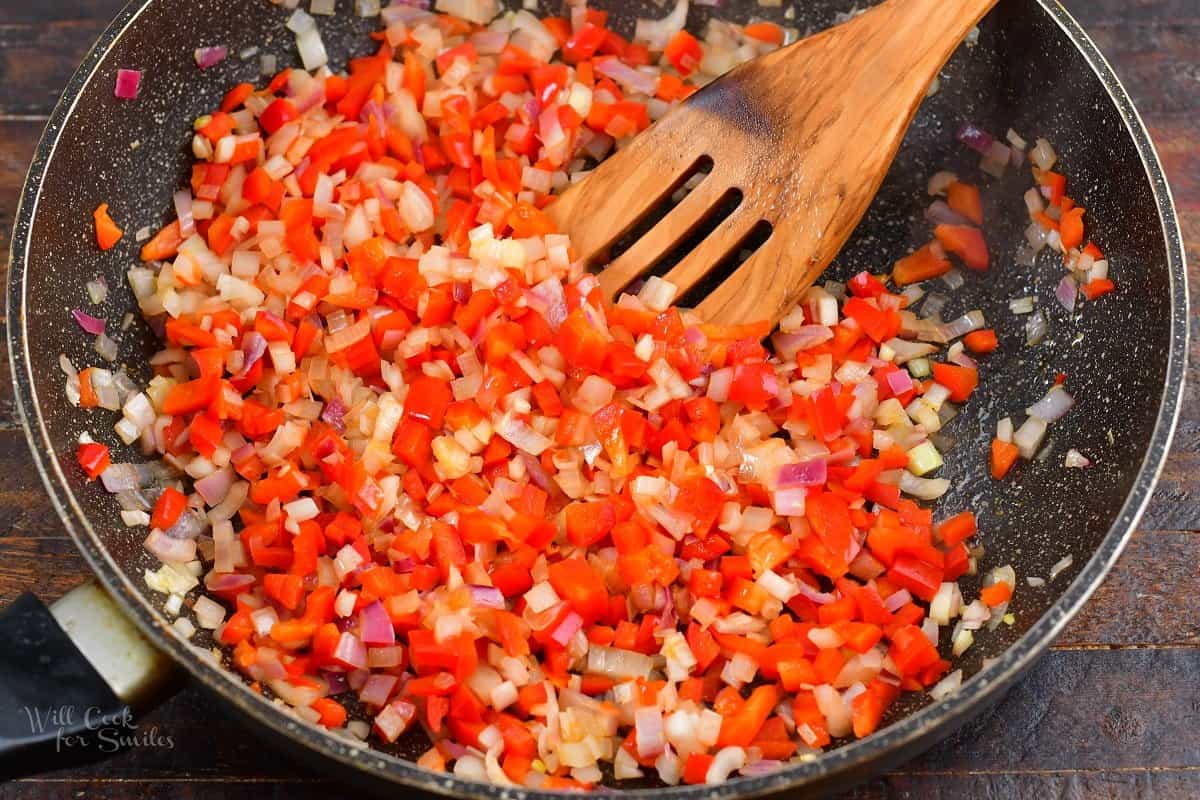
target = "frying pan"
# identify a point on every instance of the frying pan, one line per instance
(1032, 69)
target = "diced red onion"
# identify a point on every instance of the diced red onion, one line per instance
(334, 414)
(90, 324)
(487, 596)
(975, 138)
(566, 630)
(996, 159)
(806, 473)
(630, 79)
(375, 627)
(210, 56)
(128, 83)
(1067, 292)
(394, 719)
(962, 359)
(254, 346)
(384, 657)
(549, 300)
(807, 336)
(227, 582)
(377, 689)
(790, 502)
(763, 766)
(489, 42)
(189, 525)
(897, 600)
(350, 652)
(168, 548)
(939, 213)
(214, 487)
(335, 681)
(521, 436)
(899, 381)
(537, 473)
(651, 739)
(820, 598)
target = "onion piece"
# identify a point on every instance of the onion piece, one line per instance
(128, 83)
(97, 290)
(975, 138)
(629, 78)
(940, 182)
(487, 596)
(947, 685)
(168, 549)
(311, 49)
(939, 213)
(655, 33)
(1053, 405)
(617, 663)
(214, 487)
(897, 600)
(805, 473)
(183, 212)
(1061, 565)
(210, 56)
(90, 324)
(375, 627)
(1076, 460)
(334, 414)
(1036, 328)
(1028, 437)
(651, 739)
(1043, 155)
(1066, 293)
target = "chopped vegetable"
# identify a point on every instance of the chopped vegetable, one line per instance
(210, 56)
(128, 83)
(107, 232)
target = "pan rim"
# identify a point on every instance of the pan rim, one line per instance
(897, 738)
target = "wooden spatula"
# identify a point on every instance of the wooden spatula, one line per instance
(806, 134)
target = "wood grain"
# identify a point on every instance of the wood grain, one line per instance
(751, 123)
(1111, 712)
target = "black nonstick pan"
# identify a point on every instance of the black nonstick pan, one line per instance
(1032, 68)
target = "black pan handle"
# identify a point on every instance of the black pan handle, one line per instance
(71, 677)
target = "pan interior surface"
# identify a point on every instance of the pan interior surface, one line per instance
(1118, 354)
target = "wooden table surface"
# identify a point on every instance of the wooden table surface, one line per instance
(1112, 711)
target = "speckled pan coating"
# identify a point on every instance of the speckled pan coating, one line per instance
(1032, 69)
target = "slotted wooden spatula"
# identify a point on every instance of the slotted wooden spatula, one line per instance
(806, 134)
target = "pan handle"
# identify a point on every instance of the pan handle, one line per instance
(71, 677)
